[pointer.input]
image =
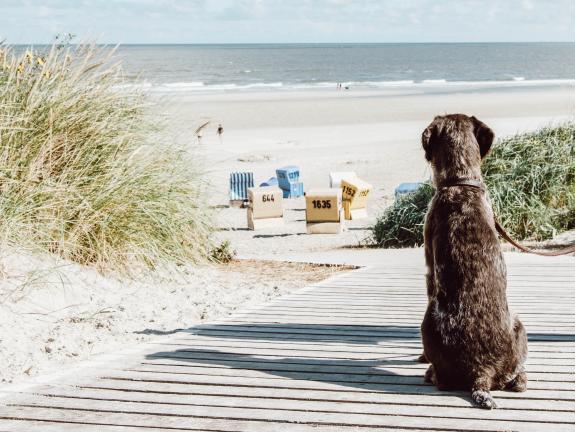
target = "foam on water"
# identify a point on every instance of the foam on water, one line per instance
(276, 67)
(183, 87)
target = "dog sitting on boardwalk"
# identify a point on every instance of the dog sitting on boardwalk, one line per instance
(469, 336)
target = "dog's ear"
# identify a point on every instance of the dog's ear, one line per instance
(484, 136)
(426, 141)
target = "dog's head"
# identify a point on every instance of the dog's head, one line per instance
(456, 143)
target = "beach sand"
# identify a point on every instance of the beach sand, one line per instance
(55, 313)
(375, 133)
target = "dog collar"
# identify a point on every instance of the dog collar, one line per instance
(478, 184)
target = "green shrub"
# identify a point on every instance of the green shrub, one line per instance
(83, 173)
(531, 182)
(401, 224)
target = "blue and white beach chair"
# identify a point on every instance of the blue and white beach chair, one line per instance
(288, 181)
(239, 184)
(405, 188)
(272, 181)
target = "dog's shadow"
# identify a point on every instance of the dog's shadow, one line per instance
(397, 371)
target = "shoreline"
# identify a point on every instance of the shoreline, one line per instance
(387, 88)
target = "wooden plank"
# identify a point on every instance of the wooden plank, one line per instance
(393, 386)
(105, 398)
(402, 369)
(376, 350)
(560, 347)
(244, 375)
(215, 356)
(238, 369)
(336, 395)
(150, 414)
(56, 420)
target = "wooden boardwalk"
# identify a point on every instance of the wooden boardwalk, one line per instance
(336, 356)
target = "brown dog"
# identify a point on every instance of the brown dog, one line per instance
(469, 336)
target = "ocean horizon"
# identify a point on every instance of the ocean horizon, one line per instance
(172, 68)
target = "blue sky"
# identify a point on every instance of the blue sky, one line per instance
(263, 21)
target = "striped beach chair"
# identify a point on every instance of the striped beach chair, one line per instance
(239, 184)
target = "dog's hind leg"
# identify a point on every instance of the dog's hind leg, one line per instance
(430, 375)
(481, 395)
(517, 384)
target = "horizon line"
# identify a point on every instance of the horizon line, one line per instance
(5, 42)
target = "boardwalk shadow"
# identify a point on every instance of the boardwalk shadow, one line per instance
(371, 375)
(329, 355)
(335, 333)
(338, 357)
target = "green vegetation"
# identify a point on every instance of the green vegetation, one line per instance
(83, 172)
(401, 224)
(531, 182)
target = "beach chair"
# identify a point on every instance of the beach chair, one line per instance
(336, 177)
(239, 184)
(289, 181)
(354, 193)
(324, 212)
(265, 207)
(405, 188)
(272, 181)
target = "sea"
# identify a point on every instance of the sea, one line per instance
(285, 67)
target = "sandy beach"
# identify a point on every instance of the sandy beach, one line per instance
(375, 133)
(55, 313)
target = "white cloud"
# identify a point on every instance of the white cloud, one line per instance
(284, 21)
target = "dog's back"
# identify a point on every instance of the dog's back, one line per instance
(468, 333)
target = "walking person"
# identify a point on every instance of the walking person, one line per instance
(220, 131)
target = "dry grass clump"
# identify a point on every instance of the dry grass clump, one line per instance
(83, 173)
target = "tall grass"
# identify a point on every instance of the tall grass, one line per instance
(83, 170)
(531, 183)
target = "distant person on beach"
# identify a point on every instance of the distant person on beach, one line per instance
(220, 132)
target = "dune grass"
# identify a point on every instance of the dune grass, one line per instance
(83, 170)
(401, 224)
(531, 183)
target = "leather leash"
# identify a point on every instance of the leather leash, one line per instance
(479, 185)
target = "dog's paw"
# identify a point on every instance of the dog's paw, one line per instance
(429, 376)
(483, 399)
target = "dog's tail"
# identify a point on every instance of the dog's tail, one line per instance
(481, 396)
